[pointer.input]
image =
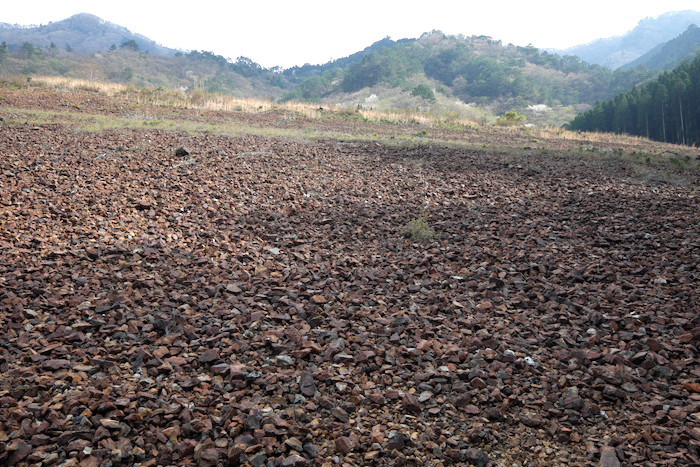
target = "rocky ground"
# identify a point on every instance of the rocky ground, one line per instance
(264, 301)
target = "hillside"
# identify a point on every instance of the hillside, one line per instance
(83, 33)
(476, 78)
(437, 70)
(615, 52)
(670, 54)
(298, 290)
(306, 71)
(192, 72)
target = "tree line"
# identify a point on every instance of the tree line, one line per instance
(666, 109)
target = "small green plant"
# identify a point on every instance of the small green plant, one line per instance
(510, 118)
(422, 134)
(418, 230)
(677, 162)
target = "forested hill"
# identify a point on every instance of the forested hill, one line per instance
(664, 110)
(306, 71)
(475, 69)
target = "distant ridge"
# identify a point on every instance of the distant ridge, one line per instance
(615, 52)
(84, 33)
(670, 54)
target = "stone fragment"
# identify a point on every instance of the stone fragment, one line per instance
(311, 450)
(410, 403)
(476, 457)
(293, 460)
(344, 445)
(110, 423)
(608, 457)
(398, 442)
(182, 152)
(307, 386)
(55, 364)
(294, 443)
(531, 419)
(319, 299)
(233, 288)
(209, 356)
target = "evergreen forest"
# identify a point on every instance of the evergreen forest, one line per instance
(666, 109)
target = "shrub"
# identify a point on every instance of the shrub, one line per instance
(131, 44)
(424, 91)
(510, 118)
(418, 230)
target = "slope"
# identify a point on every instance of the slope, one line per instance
(650, 32)
(83, 33)
(475, 70)
(670, 54)
(192, 72)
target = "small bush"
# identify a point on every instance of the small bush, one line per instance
(510, 118)
(418, 230)
(424, 91)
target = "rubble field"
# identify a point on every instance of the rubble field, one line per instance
(260, 300)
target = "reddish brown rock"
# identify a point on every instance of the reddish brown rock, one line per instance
(344, 445)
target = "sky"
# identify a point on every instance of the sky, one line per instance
(287, 33)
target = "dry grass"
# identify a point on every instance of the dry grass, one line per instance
(60, 82)
(216, 102)
(198, 100)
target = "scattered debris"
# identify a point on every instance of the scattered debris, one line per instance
(218, 316)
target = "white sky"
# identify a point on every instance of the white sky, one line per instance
(288, 33)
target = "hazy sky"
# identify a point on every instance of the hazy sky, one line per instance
(288, 32)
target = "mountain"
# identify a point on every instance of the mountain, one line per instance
(616, 51)
(670, 54)
(82, 33)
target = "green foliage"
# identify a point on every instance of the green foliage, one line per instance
(59, 67)
(247, 67)
(665, 109)
(297, 74)
(474, 69)
(418, 230)
(390, 65)
(28, 50)
(312, 89)
(510, 118)
(424, 91)
(131, 45)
